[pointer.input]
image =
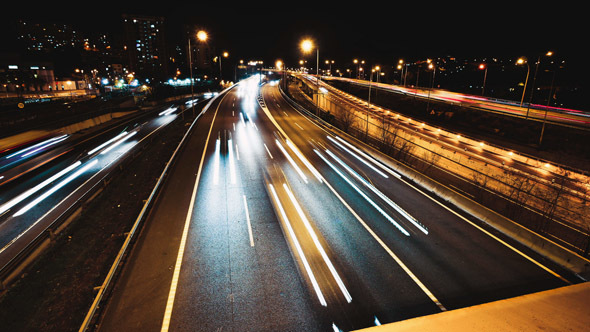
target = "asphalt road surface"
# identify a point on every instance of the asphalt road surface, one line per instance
(267, 222)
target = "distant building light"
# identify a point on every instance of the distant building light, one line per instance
(34, 67)
(12, 67)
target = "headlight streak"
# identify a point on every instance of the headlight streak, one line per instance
(56, 187)
(216, 162)
(358, 157)
(6, 206)
(118, 142)
(380, 194)
(304, 160)
(169, 110)
(291, 161)
(306, 265)
(318, 245)
(369, 158)
(398, 226)
(107, 143)
(33, 146)
(377, 322)
(44, 146)
(232, 169)
(38, 146)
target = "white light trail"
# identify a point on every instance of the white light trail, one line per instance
(38, 145)
(388, 217)
(216, 162)
(56, 188)
(291, 161)
(304, 160)
(318, 245)
(232, 168)
(168, 111)
(368, 157)
(118, 142)
(6, 206)
(377, 322)
(401, 211)
(306, 265)
(107, 143)
(44, 146)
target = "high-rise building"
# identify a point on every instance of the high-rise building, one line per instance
(35, 36)
(145, 44)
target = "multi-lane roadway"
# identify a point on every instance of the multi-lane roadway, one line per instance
(43, 182)
(533, 112)
(270, 222)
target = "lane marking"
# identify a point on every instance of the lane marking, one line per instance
(491, 235)
(291, 161)
(178, 264)
(306, 265)
(367, 198)
(389, 251)
(373, 234)
(299, 126)
(387, 168)
(266, 147)
(318, 245)
(384, 197)
(248, 221)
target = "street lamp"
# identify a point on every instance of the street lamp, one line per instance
(307, 46)
(430, 66)
(202, 37)
(521, 61)
(485, 69)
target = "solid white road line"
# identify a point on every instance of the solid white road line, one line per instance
(248, 221)
(177, 266)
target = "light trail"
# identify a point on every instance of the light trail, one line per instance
(304, 160)
(318, 245)
(216, 162)
(401, 211)
(38, 146)
(388, 217)
(119, 142)
(6, 206)
(306, 265)
(367, 157)
(107, 143)
(232, 168)
(291, 161)
(56, 188)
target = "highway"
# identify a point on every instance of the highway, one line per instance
(494, 167)
(535, 112)
(45, 180)
(270, 222)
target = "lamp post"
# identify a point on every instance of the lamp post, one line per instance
(430, 66)
(307, 46)
(202, 37)
(485, 75)
(521, 61)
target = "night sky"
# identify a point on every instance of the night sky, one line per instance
(378, 32)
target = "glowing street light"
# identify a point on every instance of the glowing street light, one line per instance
(307, 46)
(202, 36)
(485, 69)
